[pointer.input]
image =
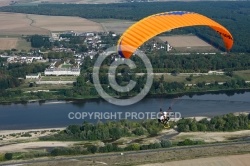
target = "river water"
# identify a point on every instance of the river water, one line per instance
(61, 113)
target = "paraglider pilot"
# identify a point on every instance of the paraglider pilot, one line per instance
(164, 118)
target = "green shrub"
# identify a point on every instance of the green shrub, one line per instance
(8, 156)
(92, 149)
(165, 143)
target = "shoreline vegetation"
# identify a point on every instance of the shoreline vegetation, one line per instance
(77, 99)
(124, 136)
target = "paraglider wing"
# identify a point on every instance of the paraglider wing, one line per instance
(153, 25)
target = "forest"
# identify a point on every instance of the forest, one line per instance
(233, 15)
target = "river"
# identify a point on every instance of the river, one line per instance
(61, 113)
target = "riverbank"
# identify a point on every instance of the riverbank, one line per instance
(55, 113)
(96, 98)
(13, 143)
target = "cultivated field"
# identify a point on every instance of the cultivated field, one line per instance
(114, 25)
(18, 24)
(64, 23)
(8, 43)
(239, 160)
(184, 41)
(13, 24)
(187, 43)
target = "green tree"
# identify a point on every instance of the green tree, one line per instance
(8, 156)
(165, 143)
(93, 149)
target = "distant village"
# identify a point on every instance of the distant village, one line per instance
(95, 43)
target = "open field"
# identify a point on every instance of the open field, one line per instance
(23, 24)
(210, 78)
(8, 43)
(196, 79)
(212, 136)
(245, 74)
(22, 44)
(24, 147)
(25, 87)
(114, 25)
(239, 160)
(18, 24)
(58, 78)
(184, 41)
(187, 43)
(64, 23)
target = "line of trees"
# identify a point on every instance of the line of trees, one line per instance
(114, 148)
(163, 62)
(228, 122)
(91, 149)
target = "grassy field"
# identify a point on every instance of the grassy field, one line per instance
(22, 44)
(25, 87)
(58, 78)
(171, 78)
(210, 78)
(7, 43)
(188, 43)
(66, 66)
(196, 79)
(245, 74)
(114, 25)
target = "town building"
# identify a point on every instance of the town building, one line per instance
(62, 71)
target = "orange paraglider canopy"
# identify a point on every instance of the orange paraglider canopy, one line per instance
(153, 25)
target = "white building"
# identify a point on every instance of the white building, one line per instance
(169, 47)
(33, 76)
(62, 71)
(216, 72)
